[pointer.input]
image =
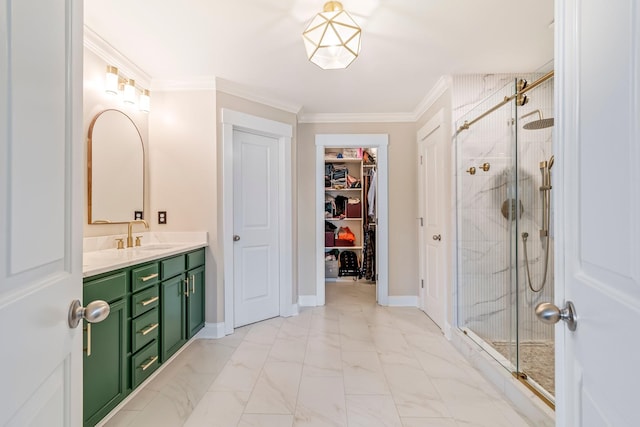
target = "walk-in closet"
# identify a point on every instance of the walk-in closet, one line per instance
(352, 212)
(350, 215)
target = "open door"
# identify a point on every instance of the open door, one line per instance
(41, 195)
(598, 196)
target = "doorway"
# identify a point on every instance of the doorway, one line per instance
(260, 133)
(379, 142)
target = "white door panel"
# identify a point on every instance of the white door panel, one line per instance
(256, 253)
(41, 152)
(598, 96)
(432, 149)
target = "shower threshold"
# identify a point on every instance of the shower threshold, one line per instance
(537, 370)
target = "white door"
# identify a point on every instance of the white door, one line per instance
(41, 156)
(598, 199)
(432, 158)
(255, 228)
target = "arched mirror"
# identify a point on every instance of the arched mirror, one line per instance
(115, 158)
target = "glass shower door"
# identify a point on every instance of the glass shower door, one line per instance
(486, 159)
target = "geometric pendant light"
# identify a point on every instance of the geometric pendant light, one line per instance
(332, 38)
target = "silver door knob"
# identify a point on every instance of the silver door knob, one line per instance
(550, 313)
(236, 237)
(96, 311)
(437, 237)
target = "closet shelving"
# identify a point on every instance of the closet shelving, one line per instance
(354, 168)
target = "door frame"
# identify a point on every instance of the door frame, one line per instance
(380, 142)
(436, 122)
(233, 120)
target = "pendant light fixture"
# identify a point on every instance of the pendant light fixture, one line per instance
(332, 38)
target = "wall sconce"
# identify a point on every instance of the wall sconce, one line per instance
(111, 81)
(144, 101)
(115, 84)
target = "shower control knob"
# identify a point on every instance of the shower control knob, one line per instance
(550, 313)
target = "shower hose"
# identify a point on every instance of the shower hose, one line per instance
(526, 263)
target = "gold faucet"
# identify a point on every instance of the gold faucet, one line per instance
(129, 236)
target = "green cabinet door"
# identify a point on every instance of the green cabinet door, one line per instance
(195, 301)
(172, 315)
(105, 363)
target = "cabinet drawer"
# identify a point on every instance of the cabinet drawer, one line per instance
(144, 276)
(195, 259)
(144, 363)
(109, 288)
(172, 266)
(144, 329)
(144, 301)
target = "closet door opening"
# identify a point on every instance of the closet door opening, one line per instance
(352, 209)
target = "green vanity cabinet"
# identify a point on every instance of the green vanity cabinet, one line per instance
(183, 298)
(195, 301)
(105, 368)
(155, 308)
(172, 313)
(145, 322)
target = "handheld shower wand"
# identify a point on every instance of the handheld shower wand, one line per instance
(545, 188)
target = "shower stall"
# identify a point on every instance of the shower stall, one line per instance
(505, 229)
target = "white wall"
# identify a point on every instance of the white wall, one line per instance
(182, 171)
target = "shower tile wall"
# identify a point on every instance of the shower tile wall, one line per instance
(486, 287)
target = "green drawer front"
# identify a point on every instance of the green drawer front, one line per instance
(144, 301)
(172, 266)
(108, 288)
(195, 259)
(144, 363)
(144, 329)
(144, 276)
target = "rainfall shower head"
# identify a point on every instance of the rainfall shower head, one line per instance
(541, 123)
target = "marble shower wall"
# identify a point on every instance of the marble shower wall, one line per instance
(490, 251)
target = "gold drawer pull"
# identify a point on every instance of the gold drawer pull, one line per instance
(193, 284)
(149, 277)
(148, 329)
(149, 301)
(151, 361)
(88, 349)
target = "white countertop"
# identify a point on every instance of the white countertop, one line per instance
(100, 255)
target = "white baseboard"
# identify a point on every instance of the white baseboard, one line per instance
(403, 301)
(211, 331)
(307, 301)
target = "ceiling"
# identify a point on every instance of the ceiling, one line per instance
(256, 45)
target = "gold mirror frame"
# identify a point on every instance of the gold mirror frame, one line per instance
(112, 172)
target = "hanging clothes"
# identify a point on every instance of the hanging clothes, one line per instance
(369, 255)
(371, 195)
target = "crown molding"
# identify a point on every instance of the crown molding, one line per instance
(191, 83)
(241, 91)
(443, 83)
(112, 56)
(356, 118)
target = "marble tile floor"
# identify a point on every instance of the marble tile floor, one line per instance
(349, 363)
